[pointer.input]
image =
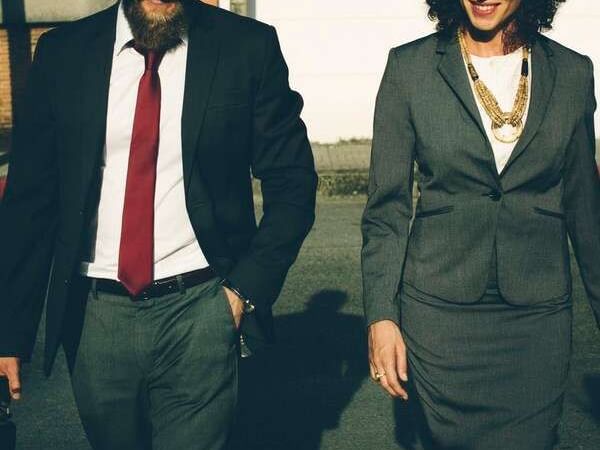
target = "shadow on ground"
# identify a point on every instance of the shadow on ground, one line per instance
(591, 384)
(293, 393)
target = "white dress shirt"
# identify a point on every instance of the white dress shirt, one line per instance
(501, 74)
(176, 249)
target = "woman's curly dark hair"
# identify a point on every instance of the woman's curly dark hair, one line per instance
(532, 17)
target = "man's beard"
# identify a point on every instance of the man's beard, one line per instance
(156, 31)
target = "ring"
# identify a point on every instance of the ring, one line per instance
(379, 376)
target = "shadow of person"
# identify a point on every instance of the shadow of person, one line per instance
(591, 385)
(411, 429)
(293, 392)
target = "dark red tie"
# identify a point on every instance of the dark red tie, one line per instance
(136, 252)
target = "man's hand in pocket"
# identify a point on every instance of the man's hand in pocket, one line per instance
(237, 306)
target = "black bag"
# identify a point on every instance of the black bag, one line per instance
(8, 430)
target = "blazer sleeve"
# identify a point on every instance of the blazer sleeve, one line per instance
(28, 214)
(386, 219)
(582, 198)
(283, 162)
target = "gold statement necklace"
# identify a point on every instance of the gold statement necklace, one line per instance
(506, 126)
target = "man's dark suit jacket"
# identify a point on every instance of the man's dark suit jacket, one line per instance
(239, 118)
(426, 113)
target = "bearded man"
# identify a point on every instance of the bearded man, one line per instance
(130, 187)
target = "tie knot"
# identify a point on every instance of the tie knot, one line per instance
(153, 58)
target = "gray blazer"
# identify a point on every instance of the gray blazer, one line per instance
(550, 188)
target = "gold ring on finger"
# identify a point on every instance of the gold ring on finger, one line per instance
(379, 376)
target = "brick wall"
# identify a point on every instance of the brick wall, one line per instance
(5, 75)
(6, 82)
(5, 95)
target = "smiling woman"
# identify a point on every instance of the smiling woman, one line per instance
(469, 304)
(530, 17)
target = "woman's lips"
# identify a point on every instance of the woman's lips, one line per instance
(484, 9)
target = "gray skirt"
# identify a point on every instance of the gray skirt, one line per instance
(488, 375)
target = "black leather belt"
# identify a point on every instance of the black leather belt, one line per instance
(159, 287)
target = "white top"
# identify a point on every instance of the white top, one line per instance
(501, 74)
(176, 249)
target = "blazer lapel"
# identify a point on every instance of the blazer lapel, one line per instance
(203, 56)
(452, 68)
(543, 79)
(95, 81)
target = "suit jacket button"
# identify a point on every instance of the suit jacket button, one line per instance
(495, 196)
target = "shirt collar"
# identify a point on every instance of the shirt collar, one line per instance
(124, 36)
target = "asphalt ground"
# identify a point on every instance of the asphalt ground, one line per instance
(312, 390)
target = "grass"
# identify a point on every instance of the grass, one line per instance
(345, 142)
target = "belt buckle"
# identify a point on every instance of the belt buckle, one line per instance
(146, 294)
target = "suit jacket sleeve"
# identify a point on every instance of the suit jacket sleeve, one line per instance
(282, 160)
(582, 198)
(28, 214)
(386, 219)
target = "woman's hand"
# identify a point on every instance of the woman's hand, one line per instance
(387, 357)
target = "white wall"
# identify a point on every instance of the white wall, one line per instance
(336, 50)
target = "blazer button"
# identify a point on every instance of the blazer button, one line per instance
(495, 196)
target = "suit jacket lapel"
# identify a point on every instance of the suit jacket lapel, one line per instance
(452, 68)
(543, 77)
(203, 55)
(95, 80)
